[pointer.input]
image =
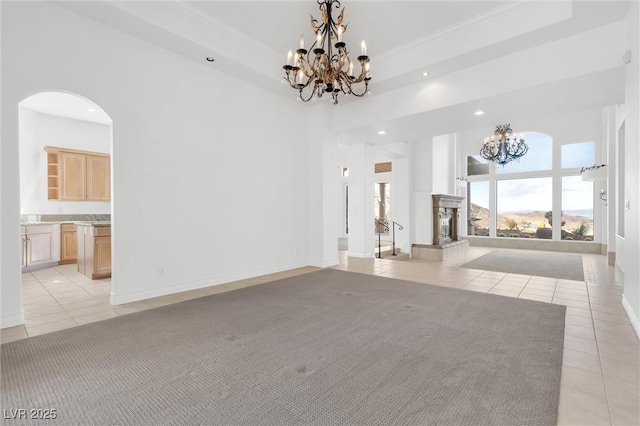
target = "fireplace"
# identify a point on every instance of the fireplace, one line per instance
(446, 218)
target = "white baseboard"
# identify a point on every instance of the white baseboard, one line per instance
(325, 263)
(122, 298)
(12, 320)
(635, 322)
(360, 255)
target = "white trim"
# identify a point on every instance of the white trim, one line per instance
(12, 320)
(360, 255)
(635, 322)
(325, 263)
(503, 13)
(119, 299)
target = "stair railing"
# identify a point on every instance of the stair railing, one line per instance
(393, 226)
(382, 225)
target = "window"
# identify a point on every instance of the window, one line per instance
(538, 158)
(478, 206)
(524, 193)
(577, 155)
(521, 206)
(477, 165)
(383, 167)
(577, 209)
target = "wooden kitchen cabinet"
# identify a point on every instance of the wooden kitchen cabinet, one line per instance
(74, 175)
(68, 243)
(98, 178)
(102, 256)
(94, 250)
(40, 246)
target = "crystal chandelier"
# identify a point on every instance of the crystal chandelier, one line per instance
(504, 146)
(326, 67)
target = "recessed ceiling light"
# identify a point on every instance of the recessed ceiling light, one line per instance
(478, 113)
(91, 110)
(426, 74)
(382, 132)
(210, 59)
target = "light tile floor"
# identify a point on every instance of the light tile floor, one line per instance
(600, 374)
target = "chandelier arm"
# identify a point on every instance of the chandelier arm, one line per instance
(302, 98)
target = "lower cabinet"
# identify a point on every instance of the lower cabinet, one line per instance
(102, 256)
(40, 246)
(68, 243)
(94, 251)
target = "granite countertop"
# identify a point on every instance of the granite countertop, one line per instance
(92, 223)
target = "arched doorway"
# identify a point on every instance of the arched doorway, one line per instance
(65, 145)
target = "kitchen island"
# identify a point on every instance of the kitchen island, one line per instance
(94, 249)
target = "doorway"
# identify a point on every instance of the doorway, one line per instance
(65, 147)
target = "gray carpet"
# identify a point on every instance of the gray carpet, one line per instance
(329, 347)
(528, 262)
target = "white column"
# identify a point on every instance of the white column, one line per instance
(422, 182)
(10, 242)
(323, 192)
(361, 200)
(401, 201)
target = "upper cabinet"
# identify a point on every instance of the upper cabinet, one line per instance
(74, 175)
(98, 178)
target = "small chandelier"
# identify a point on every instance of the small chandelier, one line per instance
(323, 69)
(504, 146)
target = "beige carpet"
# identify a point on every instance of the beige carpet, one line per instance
(567, 266)
(328, 347)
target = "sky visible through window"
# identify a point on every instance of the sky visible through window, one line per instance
(578, 155)
(539, 157)
(577, 196)
(524, 195)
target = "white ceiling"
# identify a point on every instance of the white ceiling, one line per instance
(250, 39)
(278, 25)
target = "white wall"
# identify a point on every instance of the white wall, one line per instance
(443, 164)
(422, 184)
(209, 173)
(631, 300)
(401, 202)
(360, 160)
(39, 130)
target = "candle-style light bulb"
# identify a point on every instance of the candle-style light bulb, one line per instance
(289, 55)
(301, 41)
(319, 39)
(363, 45)
(340, 29)
(350, 68)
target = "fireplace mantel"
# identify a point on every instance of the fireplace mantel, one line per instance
(446, 200)
(446, 218)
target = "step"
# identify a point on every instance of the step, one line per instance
(388, 254)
